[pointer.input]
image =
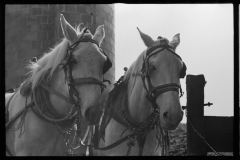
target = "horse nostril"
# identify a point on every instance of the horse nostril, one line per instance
(165, 115)
(87, 114)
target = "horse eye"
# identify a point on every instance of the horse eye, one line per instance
(153, 68)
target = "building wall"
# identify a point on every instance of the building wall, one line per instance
(30, 30)
(104, 14)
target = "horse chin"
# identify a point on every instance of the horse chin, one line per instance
(167, 126)
(87, 122)
(90, 122)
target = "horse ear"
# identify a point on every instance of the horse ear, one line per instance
(68, 31)
(146, 39)
(175, 41)
(99, 34)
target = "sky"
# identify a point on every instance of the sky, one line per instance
(206, 44)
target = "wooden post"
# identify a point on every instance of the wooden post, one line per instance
(195, 115)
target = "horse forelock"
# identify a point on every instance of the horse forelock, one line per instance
(49, 61)
(87, 34)
(161, 40)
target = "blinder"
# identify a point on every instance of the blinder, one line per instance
(66, 60)
(183, 71)
(107, 64)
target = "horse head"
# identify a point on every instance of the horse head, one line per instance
(80, 73)
(154, 82)
(87, 68)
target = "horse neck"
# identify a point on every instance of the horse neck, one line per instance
(58, 84)
(138, 106)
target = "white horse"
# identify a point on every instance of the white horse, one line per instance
(144, 103)
(66, 86)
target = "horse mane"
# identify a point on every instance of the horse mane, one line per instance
(121, 88)
(50, 60)
(135, 67)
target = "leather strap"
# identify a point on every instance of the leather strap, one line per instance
(141, 137)
(56, 93)
(95, 135)
(18, 114)
(6, 108)
(163, 90)
(39, 109)
(49, 109)
(141, 141)
(88, 80)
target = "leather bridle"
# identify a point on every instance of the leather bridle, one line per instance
(140, 131)
(66, 64)
(153, 92)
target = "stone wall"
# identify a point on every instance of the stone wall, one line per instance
(30, 30)
(105, 15)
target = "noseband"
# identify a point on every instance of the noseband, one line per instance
(66, 65)
(153, 92)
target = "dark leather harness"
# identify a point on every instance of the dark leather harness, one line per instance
(41, 105)
(139, 129)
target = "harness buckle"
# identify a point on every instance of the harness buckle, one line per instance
(150, 96)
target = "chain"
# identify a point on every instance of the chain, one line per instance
(69, 150)
(203, 138)
(130, 144)
(145, 127)
(78, 132)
